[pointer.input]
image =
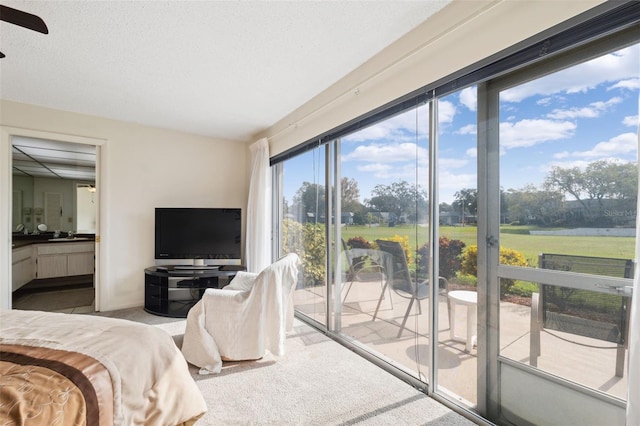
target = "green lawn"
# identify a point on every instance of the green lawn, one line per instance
(513, 237)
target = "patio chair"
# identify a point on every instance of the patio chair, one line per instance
(403, 284)
(569, 309)
(364, 265)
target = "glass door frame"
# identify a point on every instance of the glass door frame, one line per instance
(489, 267)
(574, 44)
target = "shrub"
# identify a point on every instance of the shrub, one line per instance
(291, 236)
(359, 242)
(469, 264)
(404, 242)
(449, 252)
(467, 280)
(313, 257)
(309, 243)
(523, 288)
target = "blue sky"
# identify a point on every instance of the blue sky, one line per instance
(570, 118)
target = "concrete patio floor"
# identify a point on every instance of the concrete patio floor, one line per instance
(586, 361)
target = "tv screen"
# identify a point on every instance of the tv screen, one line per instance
(199, 233)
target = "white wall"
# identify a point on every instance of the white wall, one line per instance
(459, 35)
(140, 168)
(86, 214)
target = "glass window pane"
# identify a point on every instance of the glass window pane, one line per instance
(568, 173)
(385, 303)
(458, 250)
(303, 228)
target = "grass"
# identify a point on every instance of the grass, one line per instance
(513, 237)
(516, 238)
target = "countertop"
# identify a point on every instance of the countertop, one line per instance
(21, 240)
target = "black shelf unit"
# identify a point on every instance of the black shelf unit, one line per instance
(172, 292)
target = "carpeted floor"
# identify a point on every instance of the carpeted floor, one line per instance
(318, 382)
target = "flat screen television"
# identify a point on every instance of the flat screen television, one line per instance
(208, 236)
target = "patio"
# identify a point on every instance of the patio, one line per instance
(586, 361)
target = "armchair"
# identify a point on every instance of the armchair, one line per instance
(243, 320)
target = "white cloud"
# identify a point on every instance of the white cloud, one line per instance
(405, 171)
(620, 65)
(528, 132)
(399, 128)
(446, 112)
(560, 155)
(391, 153)
(631, 84)
(451, 182)
(631, 120)
(452, 163)
(544, 101)
(469, 129)
(469, 98)
(592, 111)
(472, 152)
(374, 168)
(622, 144)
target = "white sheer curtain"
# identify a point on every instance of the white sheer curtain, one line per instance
(633, 377)
(258, 235)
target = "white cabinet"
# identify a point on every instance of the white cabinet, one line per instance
(51, 266)
(64, 259)
(80, 263)
(22, 267)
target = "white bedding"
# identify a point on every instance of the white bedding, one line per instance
(151, 381)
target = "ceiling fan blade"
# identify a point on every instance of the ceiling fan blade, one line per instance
(23, 19)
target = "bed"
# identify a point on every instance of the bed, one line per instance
(76, 369)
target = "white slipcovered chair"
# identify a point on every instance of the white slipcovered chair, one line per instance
(243, 320)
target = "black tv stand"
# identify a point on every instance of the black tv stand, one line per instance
(196, 267)
(172, 292)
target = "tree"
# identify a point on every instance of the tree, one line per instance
(308, 202)
(466, 201)
(351, 199)
(601, 180)
(605, 179)
(350, 191)
(531, 205)
(399, 198)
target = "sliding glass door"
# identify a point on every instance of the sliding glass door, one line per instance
(357, 210)
(457, 189)
(302, 218)
(561, 253)
(383, 235)
(478, 241)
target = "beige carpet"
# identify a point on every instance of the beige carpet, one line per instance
(318, 382)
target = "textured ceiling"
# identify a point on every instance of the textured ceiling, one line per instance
(226, 69)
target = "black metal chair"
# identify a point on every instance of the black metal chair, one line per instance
(365, 266)
(402, 283)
